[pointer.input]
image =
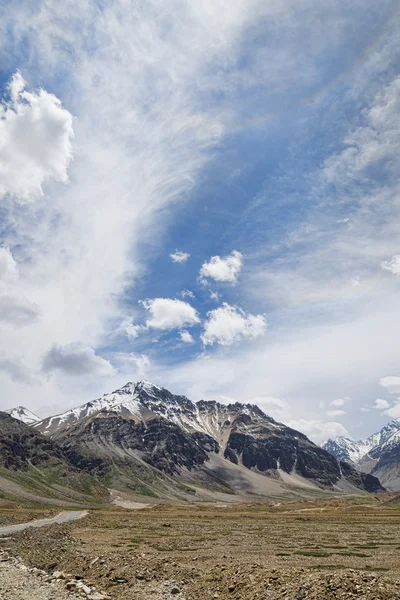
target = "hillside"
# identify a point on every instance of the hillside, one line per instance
(36, 469)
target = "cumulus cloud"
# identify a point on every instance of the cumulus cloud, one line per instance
(229, 324)
(16, 309)
(35, 141)
(225, 269)
(340, 401)
(391, 383)
(392, 265)
(76, 359)
(335, 413)
(319, 431)
(179, 257)
(8, 266)
(393, 411)
(168, 313)
(381, 404)
(186, 337)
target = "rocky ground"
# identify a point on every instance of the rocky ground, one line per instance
(309, 550)
(19, 582)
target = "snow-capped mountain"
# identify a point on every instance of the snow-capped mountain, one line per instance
(143, 426)
(378, 454)
(143, 400)
(348, 450)
(23, 414)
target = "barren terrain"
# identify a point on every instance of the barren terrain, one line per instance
(311, 549)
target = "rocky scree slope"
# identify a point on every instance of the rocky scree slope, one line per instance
(145, 431)
(378, 454)
(33, 466)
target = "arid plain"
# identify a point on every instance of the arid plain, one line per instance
(319, 549)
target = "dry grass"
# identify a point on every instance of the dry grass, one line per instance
(204, 547)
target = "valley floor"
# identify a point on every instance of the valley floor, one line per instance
(316, 549)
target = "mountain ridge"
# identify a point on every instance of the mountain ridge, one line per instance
(144, 428)
(379, 454)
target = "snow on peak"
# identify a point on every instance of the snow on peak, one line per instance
(147, 386)
(355, 450)
(23, 414)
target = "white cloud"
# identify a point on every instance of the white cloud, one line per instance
(392, 265)
(136, 161)
(393, 411)
(132, 331)
(225, 269)
(340, 401)
(142, 363)
(186, 337)
(319, 431)
(187, 294)
(228, 324)
(76, 359)
(8, 266)
(381, 404)
(35, 141)
(16, 310)
(377, 140)
(16, 369)
(391, 383)
(272, 406)
(168, 313)
(335, 413)
(214, 296)
(179, 257)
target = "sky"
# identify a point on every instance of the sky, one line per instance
(204, 195)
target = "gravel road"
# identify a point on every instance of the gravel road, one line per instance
(19, 582)
(62, 517)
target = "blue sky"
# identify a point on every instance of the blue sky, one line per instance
(264, 135)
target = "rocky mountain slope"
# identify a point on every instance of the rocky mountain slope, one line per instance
(155, 441)
(378, 454)
(35, 468)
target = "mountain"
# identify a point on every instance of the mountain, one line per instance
(23, 414)
(378, 454)
(34, 468)
(159, 443)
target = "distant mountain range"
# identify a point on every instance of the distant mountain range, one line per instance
(378, 454)
(144, 439)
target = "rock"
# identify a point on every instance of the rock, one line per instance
(58, 575)
(94, 561)
(175, 590)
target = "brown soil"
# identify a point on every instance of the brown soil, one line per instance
(314, 549)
